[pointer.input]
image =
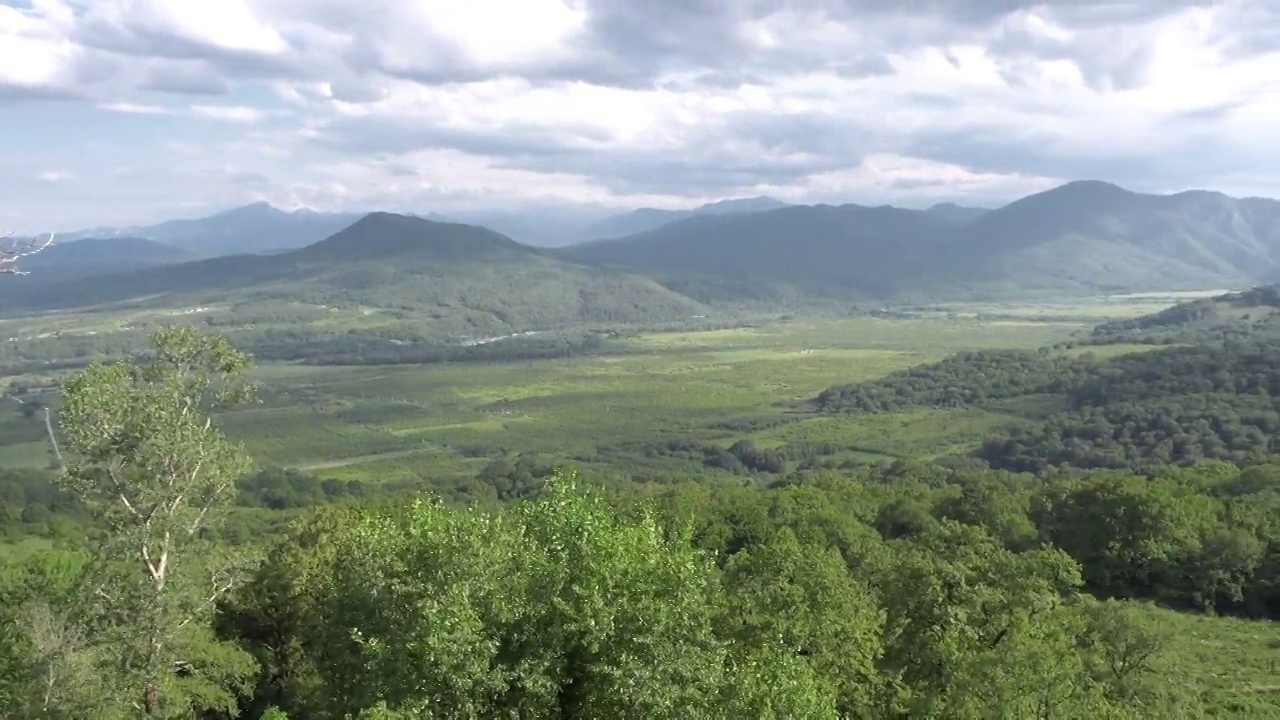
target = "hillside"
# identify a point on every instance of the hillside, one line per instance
(958, 214)
(1090, 237)
(1083, 238)
(95, 256)
(462, 279)
(820, 248)
(646, 219)
(1175, 405)
(255, 228)
(1252, 313)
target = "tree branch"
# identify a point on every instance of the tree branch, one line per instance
(119, 487)
(53, 440)
(8, 258)
(219, 589)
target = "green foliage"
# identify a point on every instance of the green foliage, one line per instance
(1230, 317)
(1178, 405)
(556, 606)
(147, 456)
(800, 599)
(918, 589)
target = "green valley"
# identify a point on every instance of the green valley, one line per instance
(475, 478)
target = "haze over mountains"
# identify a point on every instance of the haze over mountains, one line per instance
(261, 228)
(455, 279)
(254, 228)
(1083, 238)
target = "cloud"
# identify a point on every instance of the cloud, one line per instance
(427, 104)
(185, 77)
(228, 113)
(54, 176)
(134, 108)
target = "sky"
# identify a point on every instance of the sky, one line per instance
(116, 112)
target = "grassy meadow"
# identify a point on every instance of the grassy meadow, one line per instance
(443, 422)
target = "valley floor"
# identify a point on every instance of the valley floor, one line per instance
(443, 424)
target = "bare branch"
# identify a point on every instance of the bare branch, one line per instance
(53, 440)
(9, 258)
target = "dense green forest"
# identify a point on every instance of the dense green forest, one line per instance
(1253, 313)
(163, 577)
(1172, 405)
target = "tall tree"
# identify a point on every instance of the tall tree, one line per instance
(147, 454)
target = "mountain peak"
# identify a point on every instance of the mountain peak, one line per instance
(1090, 188)
(383, 234)
(955, 213)
(252, 210)
(760, 203)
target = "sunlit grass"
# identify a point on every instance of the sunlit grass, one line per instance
(444, 421)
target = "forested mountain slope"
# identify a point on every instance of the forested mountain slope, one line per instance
(1081, 238)
(469, 279)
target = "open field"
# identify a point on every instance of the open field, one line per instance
(449, 420)
(445, 422)
(1230, 663)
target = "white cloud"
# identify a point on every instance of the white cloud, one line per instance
(54, 176)
(228, 113)
(225, 25)
(487, 101)
(420, 37)
(134, 108)
(884, 175)
(35, 50)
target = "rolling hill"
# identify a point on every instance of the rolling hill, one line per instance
(821, 248)
(97, 256)
(1082, 238)
(1253, 313)
(462, 279)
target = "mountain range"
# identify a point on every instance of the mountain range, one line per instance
(254, 228)
(1082, 238)
(454, 280)
(261, 228)
(101, 256)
